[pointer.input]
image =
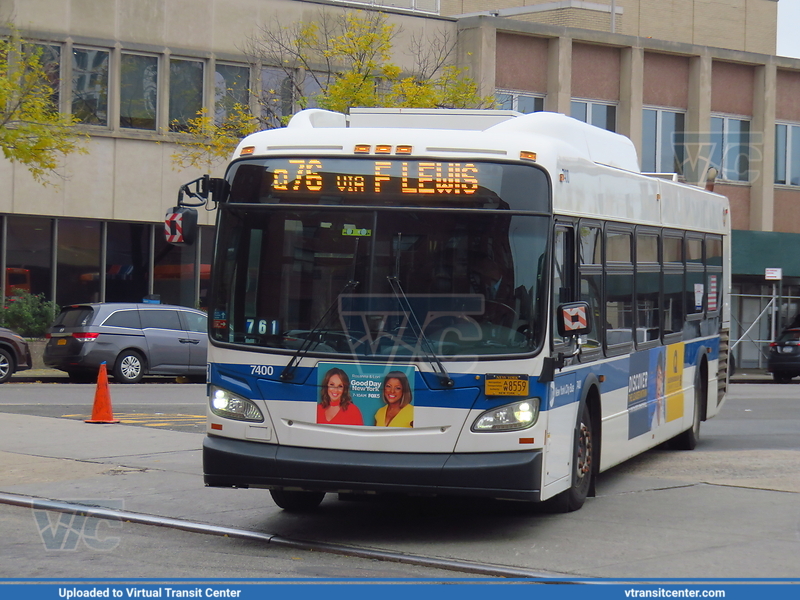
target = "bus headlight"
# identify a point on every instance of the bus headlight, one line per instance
(511, 417)
(232, 406)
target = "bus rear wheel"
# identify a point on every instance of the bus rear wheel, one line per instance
(583, 462)
(689, 438)
(292, 501)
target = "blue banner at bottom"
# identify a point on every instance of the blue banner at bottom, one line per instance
(472, 589)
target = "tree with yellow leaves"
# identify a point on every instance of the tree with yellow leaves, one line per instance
(335, 62)
(32, 130)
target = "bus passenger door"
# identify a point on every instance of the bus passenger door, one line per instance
(562, 397)
(562, 416)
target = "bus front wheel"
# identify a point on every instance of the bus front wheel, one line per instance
(583, 464)
(292, 501)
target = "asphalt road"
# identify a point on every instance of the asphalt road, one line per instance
(161, 404)
(728, 509)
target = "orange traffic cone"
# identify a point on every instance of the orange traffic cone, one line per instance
(101, 411)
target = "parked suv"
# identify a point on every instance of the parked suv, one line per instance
(784, 356)
(14, 354)
(132, 339)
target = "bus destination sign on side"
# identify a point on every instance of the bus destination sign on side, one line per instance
(506, 385)
(356, 177)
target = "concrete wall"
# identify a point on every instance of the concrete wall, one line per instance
(635, 72)
(748, 25)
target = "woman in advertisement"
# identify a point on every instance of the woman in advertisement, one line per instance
(397, 410)
(336, 406)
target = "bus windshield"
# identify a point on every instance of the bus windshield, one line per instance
(351, 279)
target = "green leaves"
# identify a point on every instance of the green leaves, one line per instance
(337, 61)
(30, 315)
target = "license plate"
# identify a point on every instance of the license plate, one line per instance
(787, 349)
(506, 385)
(62, 342)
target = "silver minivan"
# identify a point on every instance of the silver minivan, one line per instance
(132, 339)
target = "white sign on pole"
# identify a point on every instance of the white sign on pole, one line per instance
(773, 274)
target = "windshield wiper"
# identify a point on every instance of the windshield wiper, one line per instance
(288, 371)
(411, 317)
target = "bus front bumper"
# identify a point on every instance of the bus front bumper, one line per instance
(236, 463)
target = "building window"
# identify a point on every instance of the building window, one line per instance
(598, 114)
(787, 154)
(50, 60)
(173, 272)
(138, 92)
(90, 86)
(662, 141)
(78, 264)
(231, 88)
(313, 87)
(519, 101)
(185, 92)
(730, 147)
(127, 261)
(276, 95)
(29, 251)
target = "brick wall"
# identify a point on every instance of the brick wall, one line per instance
(748, 25)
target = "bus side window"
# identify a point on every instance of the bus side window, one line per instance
(672, 257)
(563, 273)
(619, 289)
(591, 283)
(648, 287)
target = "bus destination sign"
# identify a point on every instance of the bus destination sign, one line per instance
(357, 177)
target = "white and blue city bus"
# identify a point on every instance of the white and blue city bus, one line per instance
(451, 302)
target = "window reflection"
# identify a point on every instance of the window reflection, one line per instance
(28, 253)
(173, 272)
(276, 94)
(231, 87)
(90, 86)
(730, 147)
(185, 92)
(598, 114)
(50, 60)
(138, 91)
(78, 266)
(127, 261)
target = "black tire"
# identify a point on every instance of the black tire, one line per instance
(297, 501)
(129, 367)
(689, 438)
(6, 365)
(583, 470)
(82, 377)
(781, 378)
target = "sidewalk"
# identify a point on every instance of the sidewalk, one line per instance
(142, 469)
(39, 376)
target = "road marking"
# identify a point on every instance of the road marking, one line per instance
(151, 419)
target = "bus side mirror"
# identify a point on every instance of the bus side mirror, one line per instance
(180, 226)
(216, 187)
(574, 319)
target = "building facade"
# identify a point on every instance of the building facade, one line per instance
(694, 84)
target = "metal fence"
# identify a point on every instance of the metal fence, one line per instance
(755, 323)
